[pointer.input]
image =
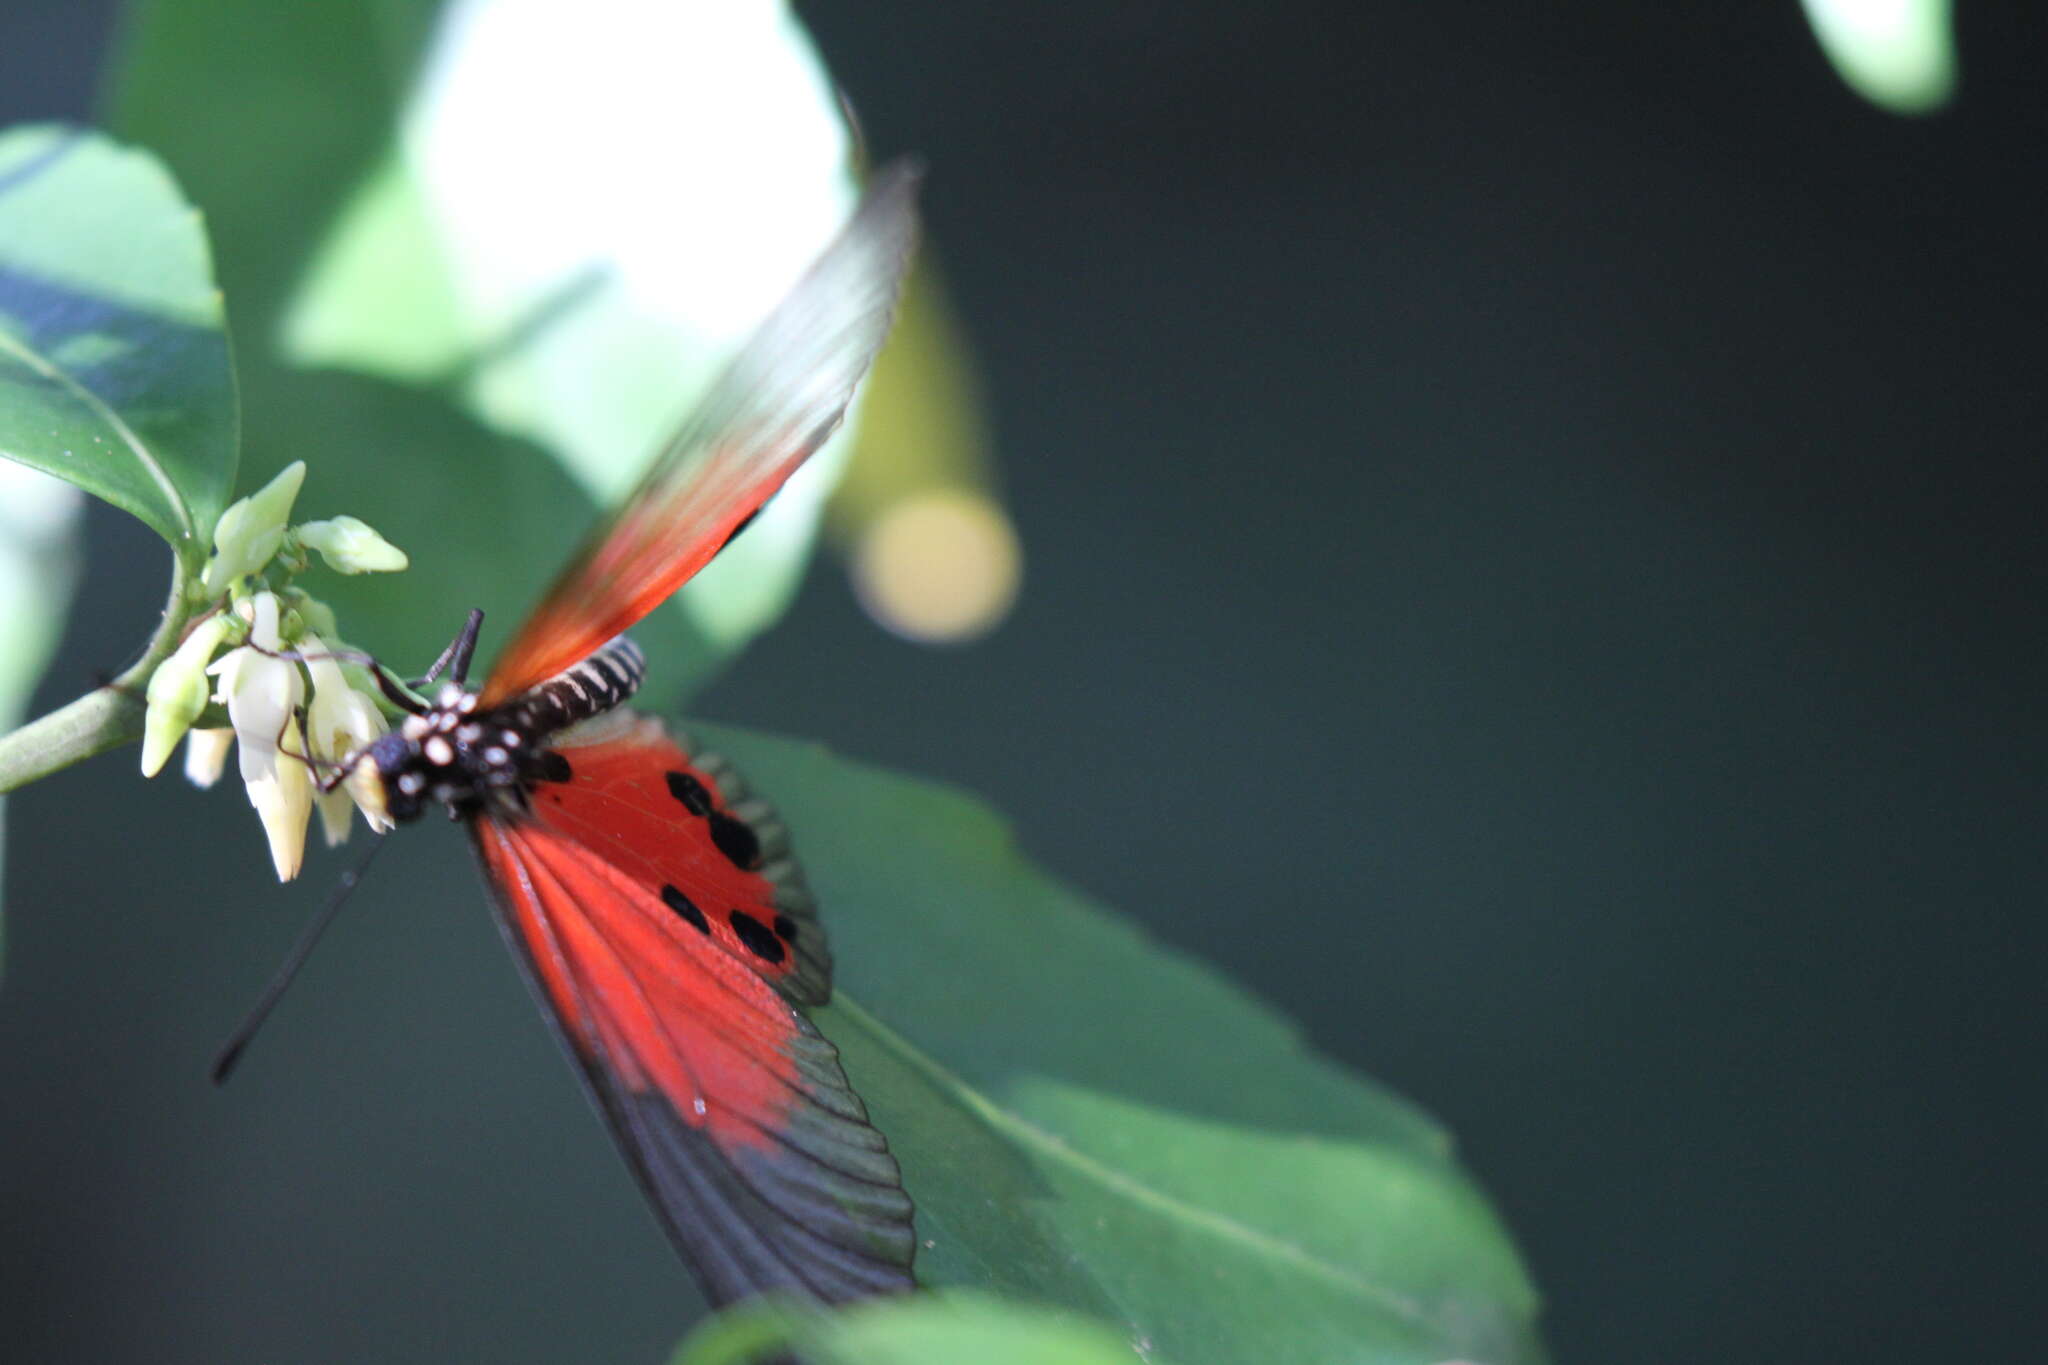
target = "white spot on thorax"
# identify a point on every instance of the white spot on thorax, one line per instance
(439, 751)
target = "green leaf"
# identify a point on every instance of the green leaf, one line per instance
(1089, 1121)
(932, 1329)
(114, 371)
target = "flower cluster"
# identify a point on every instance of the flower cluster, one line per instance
(295, 700)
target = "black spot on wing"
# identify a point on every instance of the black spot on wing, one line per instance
(690, 792)
(758, 937)
(550, 766)
(786, 927)
(687, 908)
(736, 841)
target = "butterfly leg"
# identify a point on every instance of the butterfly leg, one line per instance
(396, 693)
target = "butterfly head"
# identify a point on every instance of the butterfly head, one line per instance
(452, 756)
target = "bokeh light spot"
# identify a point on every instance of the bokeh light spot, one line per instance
(939, 567)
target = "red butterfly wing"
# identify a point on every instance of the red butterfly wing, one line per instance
(777, 401)
(621, 897)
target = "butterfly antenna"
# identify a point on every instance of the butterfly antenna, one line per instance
(460, 650)
(231, 1051)
(465, 646)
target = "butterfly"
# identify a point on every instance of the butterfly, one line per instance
(650, 896)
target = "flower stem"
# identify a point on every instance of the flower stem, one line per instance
(103, 718)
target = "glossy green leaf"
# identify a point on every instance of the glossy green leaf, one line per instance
(114, 371)
(1089, 1121)
(928, 1329)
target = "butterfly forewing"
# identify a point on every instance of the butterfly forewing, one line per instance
(731, 1108)
(652, 899)
(775, 403)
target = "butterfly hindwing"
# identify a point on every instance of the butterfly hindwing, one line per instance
(730, 1106)
(774, 404)
(687, 827)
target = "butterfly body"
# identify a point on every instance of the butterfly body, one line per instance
(651, 898)
(470, 759)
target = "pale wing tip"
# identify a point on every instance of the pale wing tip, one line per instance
(888, 208)
(900, 176)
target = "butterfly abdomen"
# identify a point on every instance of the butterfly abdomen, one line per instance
(604, 680)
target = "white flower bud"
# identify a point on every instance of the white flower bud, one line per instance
(206, 754)
(367, 790)
(250, 531)
(261, 694)
(282, 793)
(340, 721)
(259, 691)
(177, 690)
(349, 546)
(335, 808)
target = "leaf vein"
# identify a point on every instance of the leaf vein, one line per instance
(1136, 1190)
(98, 406)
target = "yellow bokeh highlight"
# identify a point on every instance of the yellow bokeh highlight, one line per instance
(933, 556)
(939, 567)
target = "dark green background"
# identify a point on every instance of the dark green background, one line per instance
(1533, 524)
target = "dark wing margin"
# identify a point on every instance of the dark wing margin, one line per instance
(784, 1186)
(776, 402)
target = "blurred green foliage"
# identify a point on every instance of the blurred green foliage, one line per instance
(931, 1330)
(271, 116)
(1085, 1121)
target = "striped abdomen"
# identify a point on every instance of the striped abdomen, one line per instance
(602, 681)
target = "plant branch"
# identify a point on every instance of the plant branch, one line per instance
(103, 718)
